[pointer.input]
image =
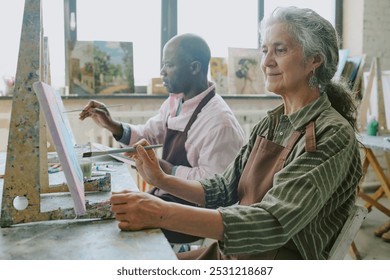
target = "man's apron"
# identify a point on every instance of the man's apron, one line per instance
(175, 153)
(265, 160)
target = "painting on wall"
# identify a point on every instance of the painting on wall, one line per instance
(245, 76)
(101, 67)
(219, 74)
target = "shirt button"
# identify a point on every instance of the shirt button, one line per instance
(281, 133)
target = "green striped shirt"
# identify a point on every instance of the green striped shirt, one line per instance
(311, 196)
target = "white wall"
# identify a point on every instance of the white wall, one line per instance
(352, 26)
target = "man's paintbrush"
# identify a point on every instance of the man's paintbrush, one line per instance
(101, 107)
(116, 151)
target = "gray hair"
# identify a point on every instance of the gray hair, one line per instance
(315, 34)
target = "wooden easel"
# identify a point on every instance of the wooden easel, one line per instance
(370, 158)
(26, 170)
(375, 73)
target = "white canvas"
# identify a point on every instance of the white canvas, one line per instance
(373, 107)
(52, 107)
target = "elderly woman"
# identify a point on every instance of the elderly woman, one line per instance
(289, 190)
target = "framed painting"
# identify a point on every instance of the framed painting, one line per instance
(101, 67)
(245, 76)
(219, 74)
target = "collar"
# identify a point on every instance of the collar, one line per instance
(302, 117)
(190, 104)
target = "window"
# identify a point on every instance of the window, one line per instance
(222, 23)
(125, 20)
(10, 26)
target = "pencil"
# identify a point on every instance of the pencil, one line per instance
(116, 151)
(101, 107)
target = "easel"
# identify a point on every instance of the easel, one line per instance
(372, 200)
(375, 73)
(370, 158)
(26, 171)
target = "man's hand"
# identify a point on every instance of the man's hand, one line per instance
(101, 116)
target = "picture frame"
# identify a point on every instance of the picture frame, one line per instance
(219, 74)
(244, 71)
(101, 67)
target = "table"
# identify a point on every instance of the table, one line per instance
(82, 239)
(369, 144)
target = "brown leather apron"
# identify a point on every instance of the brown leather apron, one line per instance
(175, 153)
(265, 160)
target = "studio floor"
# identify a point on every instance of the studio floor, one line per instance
(369, 246)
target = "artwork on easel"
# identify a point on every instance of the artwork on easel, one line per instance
(343, 56)
(373, 109)
(219, 74)
(245, 76)
(63, 141)
(374, 103)
(101, 67)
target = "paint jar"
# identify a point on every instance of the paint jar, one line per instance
(372, 126)
(84, 162)
(86, 167)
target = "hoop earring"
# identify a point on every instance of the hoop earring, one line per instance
(313, 81)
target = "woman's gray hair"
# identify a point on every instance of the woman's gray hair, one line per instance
(314, 34)
(317, 36)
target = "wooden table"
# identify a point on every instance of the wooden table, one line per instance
(376, 143)
(81, 239)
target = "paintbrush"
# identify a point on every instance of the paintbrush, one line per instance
(100, 107)
(116, 151)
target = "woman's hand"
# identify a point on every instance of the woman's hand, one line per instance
(147, 163)
(137, 210)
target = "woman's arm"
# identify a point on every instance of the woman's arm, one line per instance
(135, 211)
(148, 166)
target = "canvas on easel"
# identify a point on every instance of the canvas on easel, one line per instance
(63, 142)
(376, 98)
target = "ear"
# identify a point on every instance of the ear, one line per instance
(317, 60)
(196, 67)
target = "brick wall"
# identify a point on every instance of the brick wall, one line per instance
(376, 31)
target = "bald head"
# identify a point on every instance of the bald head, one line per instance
(192, 47)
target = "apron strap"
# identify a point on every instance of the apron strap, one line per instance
(198, 109)
(310, 138)
(310, 141)
(291, 143)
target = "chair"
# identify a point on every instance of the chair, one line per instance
(347, 235)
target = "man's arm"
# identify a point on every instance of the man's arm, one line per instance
(101, 116)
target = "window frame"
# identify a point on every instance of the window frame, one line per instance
(168, 24)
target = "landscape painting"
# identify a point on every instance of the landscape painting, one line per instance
(101, 67)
